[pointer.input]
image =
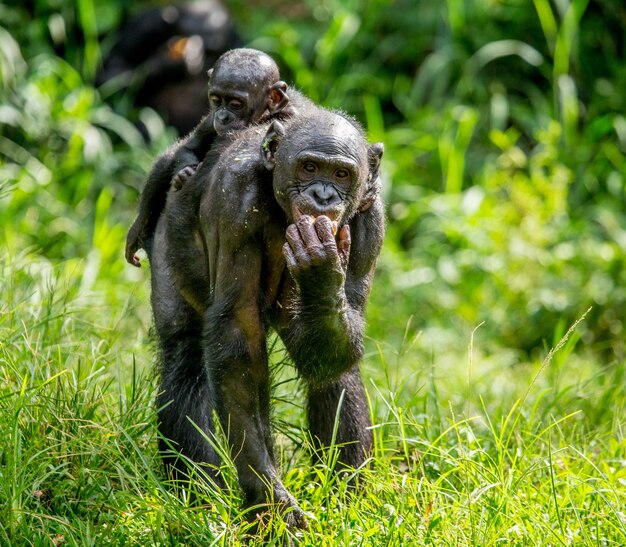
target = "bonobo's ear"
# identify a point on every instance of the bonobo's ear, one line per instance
(278, 97)
(270, 143)
(374, 155)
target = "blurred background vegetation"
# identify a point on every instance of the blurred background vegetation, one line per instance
(504, 170)
(504, 177)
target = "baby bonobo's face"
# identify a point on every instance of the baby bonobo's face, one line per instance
(236, 100)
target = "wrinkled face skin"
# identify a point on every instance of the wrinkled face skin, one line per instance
(321, 170)
(235, 101)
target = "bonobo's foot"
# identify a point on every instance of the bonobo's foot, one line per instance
(293, 516)
(184, 175)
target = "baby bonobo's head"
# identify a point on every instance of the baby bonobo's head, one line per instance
(244, 86)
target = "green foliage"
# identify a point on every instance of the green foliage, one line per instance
(504, 135)
(504, 162)
(504, 176)
(487, 455)
(66, 156)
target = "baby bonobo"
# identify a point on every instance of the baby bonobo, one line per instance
(244, 88)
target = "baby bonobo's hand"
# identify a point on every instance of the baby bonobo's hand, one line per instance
(184, 175)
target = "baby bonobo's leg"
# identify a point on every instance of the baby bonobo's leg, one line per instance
(184, 175)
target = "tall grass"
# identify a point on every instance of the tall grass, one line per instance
(504, 176)
(472, 455)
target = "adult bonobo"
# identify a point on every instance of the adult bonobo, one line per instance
(250, 244)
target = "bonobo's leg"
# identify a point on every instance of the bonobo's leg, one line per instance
(353, 432)
(186, 400)
(236, 359)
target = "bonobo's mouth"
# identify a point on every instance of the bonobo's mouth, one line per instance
(298, 213)
(222, 129)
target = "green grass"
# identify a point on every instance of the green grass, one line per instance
(469, 449)
(504, 170)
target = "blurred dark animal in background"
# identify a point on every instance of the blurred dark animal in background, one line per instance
(162, 57)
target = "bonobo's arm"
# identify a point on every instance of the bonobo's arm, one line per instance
(192, 150)
(151, 204)
(175, 166)
(325, 335)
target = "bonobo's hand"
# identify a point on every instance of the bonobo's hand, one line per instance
(133, 242)
(184, 175)
(313, 256)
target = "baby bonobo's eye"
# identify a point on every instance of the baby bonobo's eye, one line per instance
(215, 100)
(235, 104)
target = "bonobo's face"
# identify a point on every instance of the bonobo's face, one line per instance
(235, 101)
(321, 169)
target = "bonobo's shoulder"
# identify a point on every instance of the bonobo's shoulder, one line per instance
(299, 105)
(240, 151)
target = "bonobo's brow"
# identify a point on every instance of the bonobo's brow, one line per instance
(337, 160)
(230, 92)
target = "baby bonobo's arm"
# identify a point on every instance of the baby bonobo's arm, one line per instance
(192, 150)
(151, 203)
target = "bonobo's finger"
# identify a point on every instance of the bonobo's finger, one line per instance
(370, 195)
(177, 181)
(367, 202)
(308, 233)
(289, 256)
(325, 231)
(292, 235)
(131, 257)
(343, 245)
(183, 175)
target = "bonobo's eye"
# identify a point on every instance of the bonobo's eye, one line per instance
(235, 104)
(215, 100)
(342, 174)
(308, 168)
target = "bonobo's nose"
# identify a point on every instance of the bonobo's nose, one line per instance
(223, 121)
(324, 195)
(223, 116)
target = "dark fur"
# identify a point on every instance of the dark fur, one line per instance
(223, 274)
(266, 98)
